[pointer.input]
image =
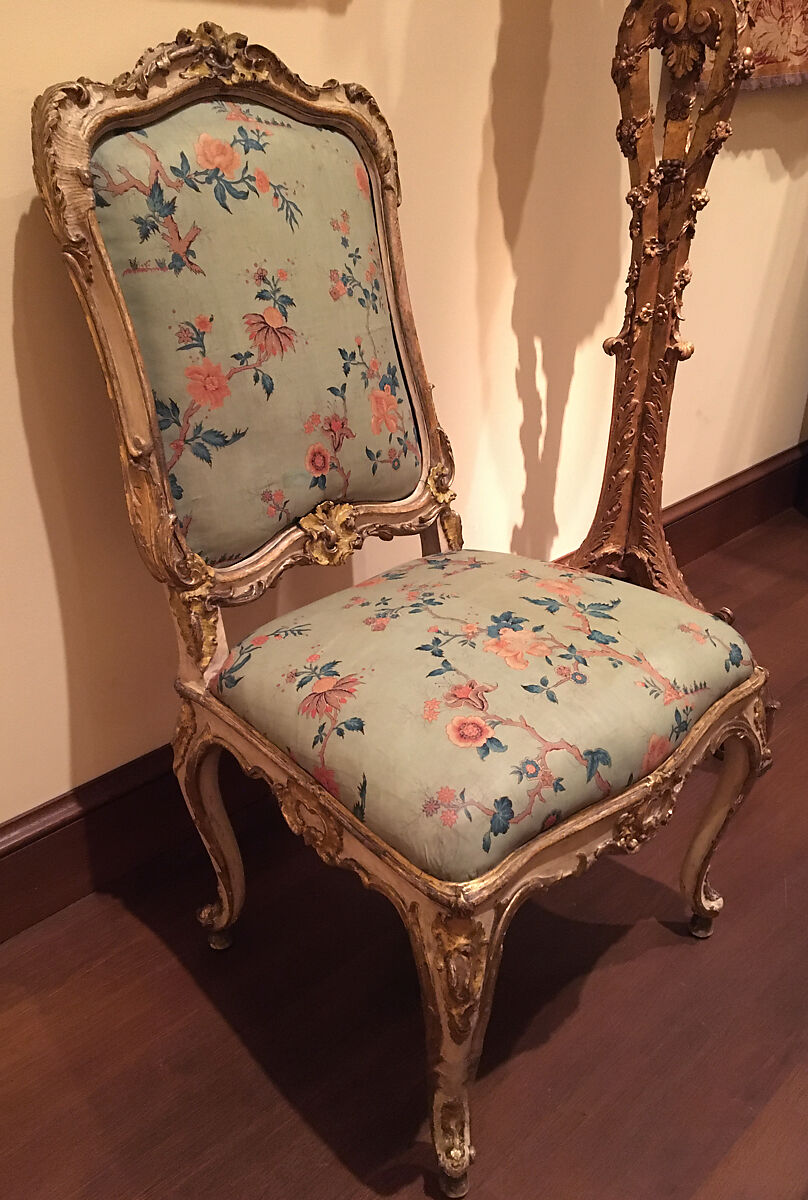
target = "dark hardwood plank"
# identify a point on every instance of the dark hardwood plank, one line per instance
(624, 1061)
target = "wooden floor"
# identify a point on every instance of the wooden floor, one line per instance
(624, 1061)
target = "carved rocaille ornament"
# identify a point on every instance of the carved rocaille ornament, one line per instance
(332, 535)
(461, 948)
(456, 929)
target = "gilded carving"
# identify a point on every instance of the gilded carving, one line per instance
(332, 535)
(453, 1144)
(462, 948)
(438, 484)
(183, 734)
(637, 825)
(197, 619)
(627, 537)
(306, 817)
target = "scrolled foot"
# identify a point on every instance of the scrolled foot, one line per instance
(701, 927)
(210, 916)
(452, 1187)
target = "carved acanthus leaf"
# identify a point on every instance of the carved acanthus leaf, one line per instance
(638, 824)
(197, 618)
(333, 536)
(183, 734)
(310, 820)
(461, 945)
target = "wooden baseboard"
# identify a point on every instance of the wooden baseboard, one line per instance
(83, 841)
(714, 516)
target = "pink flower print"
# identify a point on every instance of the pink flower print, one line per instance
(431, 710)
(446, 795)
(212, 153)
(327, 779)
(362, 181)
(657, 751)
(358, 340)
(269, 331)
(327, 696)
(370, 274)
(471, 694)
(260, 275)
(471, 630)
(312, 423)
(448, 817)
(338, 429)
(383, 409)
(374, 367)
(207, 384)
(318, 459)
(430, 806)
(278, 496)
(514, 645)
(377, 624)
(313, 658)
(204, 324)
(565, 588)
(695, 631)
(261, 181)
(282, 275)
(468, 731)
(260, 639)
(184, 335)
(337, 289)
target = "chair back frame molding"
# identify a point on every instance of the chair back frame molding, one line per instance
(667, 194)
(68, 121)
(456, 929)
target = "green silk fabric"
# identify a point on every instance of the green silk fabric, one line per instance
(462, 704)
(247, 250)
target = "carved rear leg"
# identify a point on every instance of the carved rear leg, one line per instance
(196, 765)
(457, 959)
(733, 782)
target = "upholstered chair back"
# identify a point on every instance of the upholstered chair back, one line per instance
(246, 245)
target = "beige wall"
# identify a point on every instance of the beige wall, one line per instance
(504, 115)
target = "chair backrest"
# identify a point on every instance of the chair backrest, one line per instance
(233, 235)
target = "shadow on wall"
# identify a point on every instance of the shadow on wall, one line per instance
(770, 125)
(772, 119)
(561, 226)
(116, 641)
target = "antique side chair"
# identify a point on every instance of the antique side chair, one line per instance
(467, 727)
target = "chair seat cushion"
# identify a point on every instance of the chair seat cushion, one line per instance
(463, 703)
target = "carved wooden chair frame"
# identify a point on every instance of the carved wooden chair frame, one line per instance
(456, 929)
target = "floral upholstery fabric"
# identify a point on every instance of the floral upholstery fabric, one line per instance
(247, 249)
(463, 703)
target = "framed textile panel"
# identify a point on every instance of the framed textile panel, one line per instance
(778, 35)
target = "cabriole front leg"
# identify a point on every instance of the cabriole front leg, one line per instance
(457, 959)
(196, 765)
(733, 782)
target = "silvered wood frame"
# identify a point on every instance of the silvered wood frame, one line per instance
(456, 929)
